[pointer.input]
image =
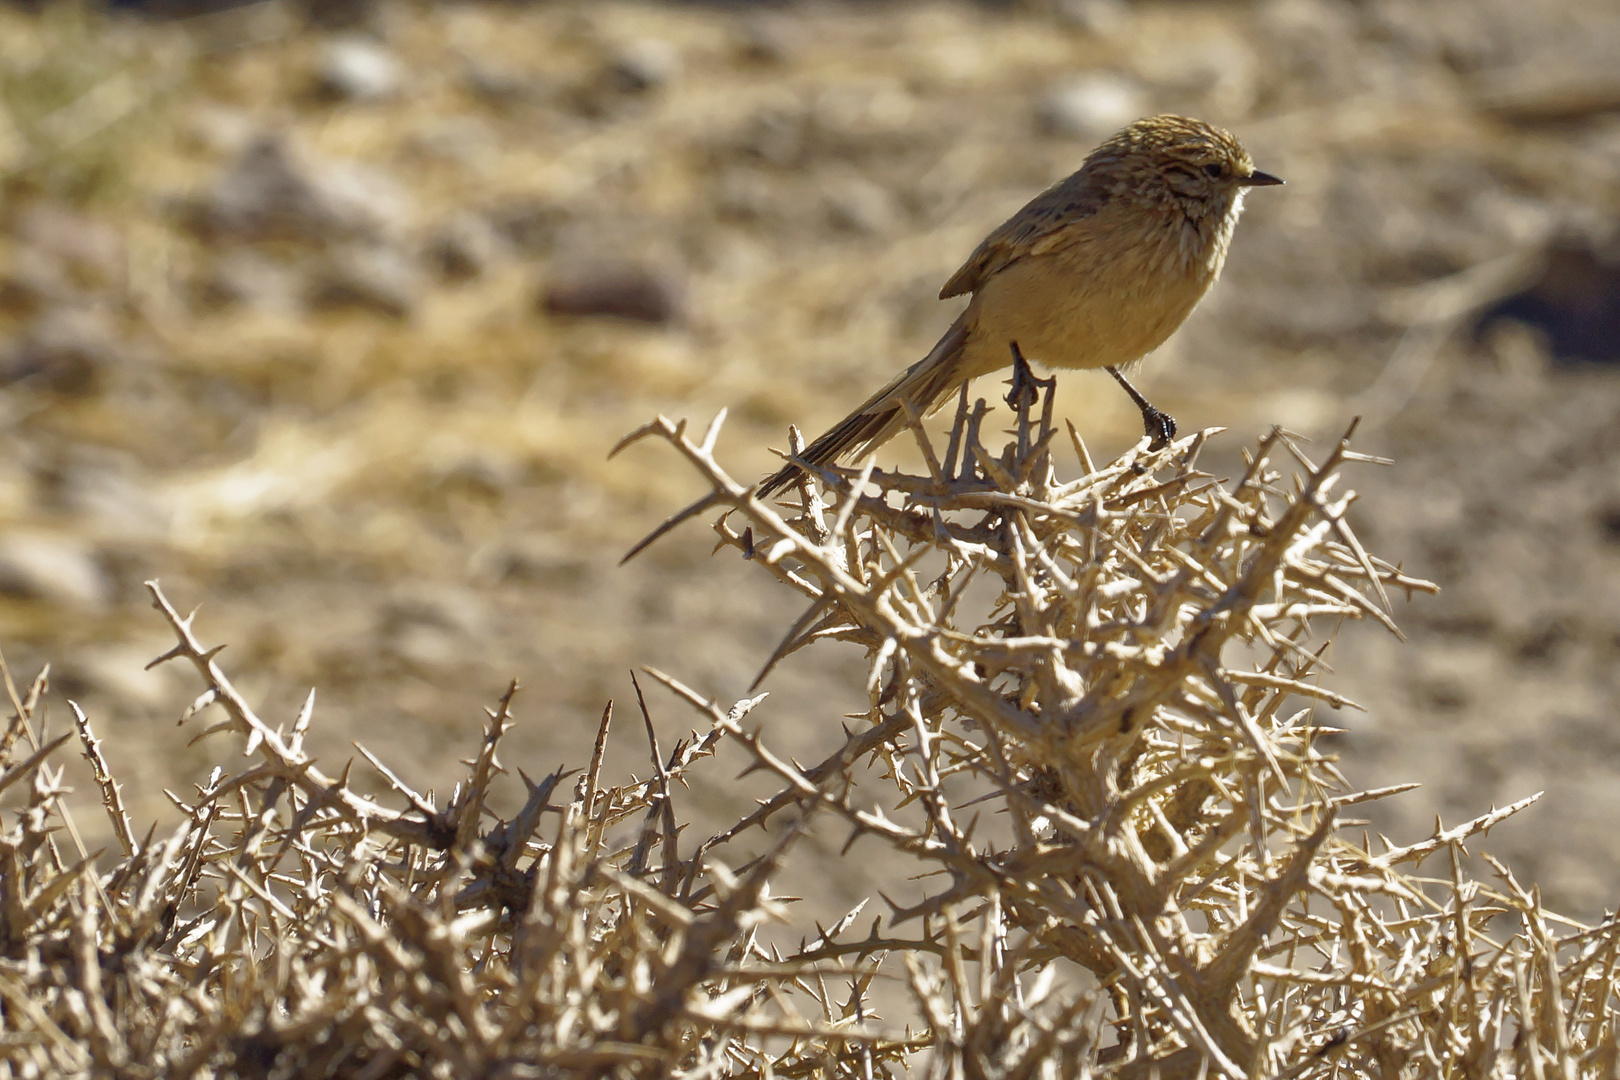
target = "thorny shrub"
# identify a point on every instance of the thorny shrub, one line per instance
(1120, 669)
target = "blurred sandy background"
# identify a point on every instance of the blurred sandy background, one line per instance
(328, 315)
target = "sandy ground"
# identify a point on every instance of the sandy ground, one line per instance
(332, 328)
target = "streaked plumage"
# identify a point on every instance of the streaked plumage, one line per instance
(1096, 271)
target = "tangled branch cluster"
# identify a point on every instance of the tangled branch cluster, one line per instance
(1093, 712)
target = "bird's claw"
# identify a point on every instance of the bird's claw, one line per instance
(1024, 385)
(1158, 426)
(1026, 389)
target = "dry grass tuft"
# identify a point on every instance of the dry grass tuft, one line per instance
(1092, 710)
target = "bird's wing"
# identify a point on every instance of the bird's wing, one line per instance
(1038, 227)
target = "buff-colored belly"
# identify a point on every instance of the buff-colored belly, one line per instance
(1064, 314)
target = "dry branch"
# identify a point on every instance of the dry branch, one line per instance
(1090, 715)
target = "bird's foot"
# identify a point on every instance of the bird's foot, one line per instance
(1025, 387)
(1158, 426)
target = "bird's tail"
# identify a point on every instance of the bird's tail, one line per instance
(882, 416)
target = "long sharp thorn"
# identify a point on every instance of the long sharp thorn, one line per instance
(660, 426)
(790, 640)
(710, 500)
(712, 435)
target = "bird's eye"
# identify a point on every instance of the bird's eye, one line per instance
(1215, 170)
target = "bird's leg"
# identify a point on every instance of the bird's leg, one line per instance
(1025, 395)
(1025, 386)
(1159, 426)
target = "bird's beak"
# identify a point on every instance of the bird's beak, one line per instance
(1260, 179)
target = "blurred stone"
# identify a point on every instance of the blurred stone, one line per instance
(340, 14)
(482, 476)
(433, 626)
(32, 285)
(744, 194)
(54, 569)
(542, 560)
(221, 129)
(1538, 97)
(497, 84)
(777, 136)
(463, 249)
(452, 607)
(13, 146)
(427, 647)
(770, 38)
(632, 293)
(1608, 521)
(1092, 107)
(1101, 17)
(67, 351)
(245, 277)
(644, 64)
(465, 141)
(111, 491)
(371, 278)
(229, 24)
(1575, 301)
(358, 69)
(1449, 676)
(91, 251)
(275, 192)
(528, 224)
(859, 205)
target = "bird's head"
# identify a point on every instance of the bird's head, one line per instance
(1180, 182)
(1196, 166)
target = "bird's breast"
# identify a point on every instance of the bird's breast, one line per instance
(1103, 300)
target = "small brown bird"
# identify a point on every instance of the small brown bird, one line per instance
(1096, 271)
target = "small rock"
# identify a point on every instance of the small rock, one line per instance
(1574, 300)
(431, 628)
(769, 39)
(530, 225)
(31, 285)
(454, 608)
(463, 249)
(340, 14)
(499, 85)
(378, 279)
(464, 141)
(13, 146)
(91, 251)
(1100, 17)
(55, 569)
(645, 64)
(224, 27)
(357, 69)
(745, 194)
(110, 492)
(632, 293)
(246, 278)
(67, 351)
(1608, 520)
(1091, 107)
(426, 648)
(220, 129)
(780, 137)
(532, 559)
(275, 192)
(859, 205)
(481, 476)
